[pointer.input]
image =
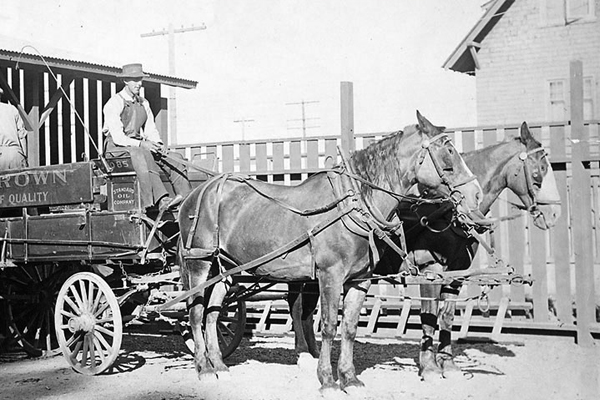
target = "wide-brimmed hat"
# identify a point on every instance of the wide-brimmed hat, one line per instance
(132, 71)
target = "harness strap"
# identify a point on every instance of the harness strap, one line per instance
(190, 253)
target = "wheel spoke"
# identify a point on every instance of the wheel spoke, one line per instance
(100, 337)
(77, 298)
(223, 327)
(76, 351)
(104, 330)
(86, 350)
(96, 303)
(74, 306)
(99, 350)
(90, 298)
(66, 314)
(84, 297)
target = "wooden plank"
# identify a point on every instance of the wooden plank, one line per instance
(32, 106)
(94, 118)
(404, 314)
(244, 149)
(278, 156)
(330, 152)
(581, 212)
(228, 158)
(373, 317)
(497, 329)
(537, 250)
(261, 157)
(312, 153)
(295, 155)
(466, 319)
(347, 116)
(516, 247)
(80, 136)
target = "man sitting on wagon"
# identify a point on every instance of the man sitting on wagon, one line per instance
(130, 129)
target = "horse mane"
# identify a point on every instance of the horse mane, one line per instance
(379, 163)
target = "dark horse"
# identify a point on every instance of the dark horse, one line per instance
(234, 223)
(519, 164)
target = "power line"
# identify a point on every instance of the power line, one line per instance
(243, 122)
(304, 119)
(171, 31)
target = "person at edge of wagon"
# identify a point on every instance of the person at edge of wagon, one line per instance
(12, 137)
(129, 127)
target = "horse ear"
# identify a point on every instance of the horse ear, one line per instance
(526, 136)
(427, 127)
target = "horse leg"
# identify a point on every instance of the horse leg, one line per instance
(428, 367)
(302, 300)
(212, 339)
(310, 298)
(195, 305)
(353, 301)
(295, 300)
(444, 357)
(330, 287)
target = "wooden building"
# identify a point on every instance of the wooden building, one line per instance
(519, 52)
(61, 103)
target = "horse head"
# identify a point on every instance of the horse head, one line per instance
(441, 170)
(532, 180)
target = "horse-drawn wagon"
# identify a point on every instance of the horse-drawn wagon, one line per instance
(80, 256)
(75, 240)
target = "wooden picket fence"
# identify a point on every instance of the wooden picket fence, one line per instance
(548, 306)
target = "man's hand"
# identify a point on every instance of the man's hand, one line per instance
(151, 146)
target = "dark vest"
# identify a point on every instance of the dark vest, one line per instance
(133, 117)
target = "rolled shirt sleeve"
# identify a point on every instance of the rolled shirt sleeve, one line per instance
(150, 131)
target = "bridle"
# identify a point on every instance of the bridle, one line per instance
(455, 195)
(533, 209)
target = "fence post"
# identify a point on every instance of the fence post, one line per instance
(581, 209)
(347, 116)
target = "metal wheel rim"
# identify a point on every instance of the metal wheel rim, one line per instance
(88, 323)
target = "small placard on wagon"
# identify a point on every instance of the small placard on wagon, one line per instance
(46, 186)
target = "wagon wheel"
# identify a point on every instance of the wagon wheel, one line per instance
(88, 323)
(31, 293)
(230, 325)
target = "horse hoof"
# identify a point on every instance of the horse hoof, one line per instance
(224, 375)
(207, 377)
(429, 370)
(357, 391)
(306, 362)
(332, 392)
(449, 369)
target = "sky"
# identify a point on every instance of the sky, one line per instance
(259, 60)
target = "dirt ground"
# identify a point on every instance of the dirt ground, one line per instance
(152, 366)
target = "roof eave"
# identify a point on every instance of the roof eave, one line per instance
(93, 71)
(461, 59)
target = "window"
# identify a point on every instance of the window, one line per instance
(565, 12)
(558, 105)
(557, 98)
(588, 98)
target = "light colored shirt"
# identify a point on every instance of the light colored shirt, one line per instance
(113, 124)
(12, 129)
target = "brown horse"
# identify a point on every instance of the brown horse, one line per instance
(233, 223)
(519, 164)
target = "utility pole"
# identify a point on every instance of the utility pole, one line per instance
(304, 119)
(243, 122)
(170, 31)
